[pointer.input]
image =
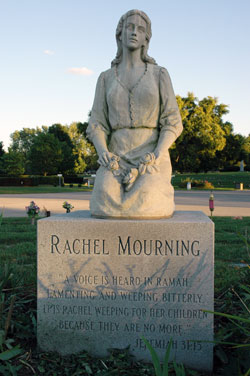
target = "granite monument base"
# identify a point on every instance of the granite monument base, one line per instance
(105, 283)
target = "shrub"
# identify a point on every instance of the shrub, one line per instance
(73, 179)
(208, 185)
(50, 180)
(85, 181)
(204, 184)
(29, 180)
(18, 181)
(183, 182)
(230, 168)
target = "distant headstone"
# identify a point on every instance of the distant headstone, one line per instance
(104, 284)
(239, 186)
(60, 179)
(242, 166)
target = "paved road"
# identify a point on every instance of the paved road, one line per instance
(227, 203)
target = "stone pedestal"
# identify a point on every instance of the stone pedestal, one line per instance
(106, 283)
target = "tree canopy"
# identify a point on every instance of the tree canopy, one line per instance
(13, 163)
(202, 135)
(45, 155)
(2, 152)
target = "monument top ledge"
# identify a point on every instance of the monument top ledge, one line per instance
(178, 216)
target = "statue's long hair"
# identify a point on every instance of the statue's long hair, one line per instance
(144, 49)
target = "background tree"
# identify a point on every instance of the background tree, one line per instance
(69, 158)
(233, 152)
(61, 133)
(80, 148)
(46, 155)
(202, 135)
(91, 156)
(13, 163)
(246, 149)
(2, 152)
(76, 151)
(82, 127)
(21, 142)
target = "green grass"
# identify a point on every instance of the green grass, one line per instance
(44, 189)
(220, 180)
(18, 248)
(229, 246)
(18, 258)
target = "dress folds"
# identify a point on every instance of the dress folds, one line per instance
(132, 121)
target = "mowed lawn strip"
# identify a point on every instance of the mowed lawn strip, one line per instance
(220, 180)
(44, 189)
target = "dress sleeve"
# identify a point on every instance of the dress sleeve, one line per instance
(170, 118)
(98, 121)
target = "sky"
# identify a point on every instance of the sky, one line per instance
(52, 52)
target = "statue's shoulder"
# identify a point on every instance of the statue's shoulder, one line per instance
(107, 73)
(162, 74)
(105, 77)
(158, 70)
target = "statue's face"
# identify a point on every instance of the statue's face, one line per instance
(134, 32)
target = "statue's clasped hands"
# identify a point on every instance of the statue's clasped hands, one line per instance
(148, 164)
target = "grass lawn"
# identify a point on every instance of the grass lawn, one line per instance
(18, 308)
(220, 180)
(44, 189)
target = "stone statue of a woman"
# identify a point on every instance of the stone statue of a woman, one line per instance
(134, 121)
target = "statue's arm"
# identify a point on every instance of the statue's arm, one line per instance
(100, 142)
(98, 128)
(170, 119)
(166, 139)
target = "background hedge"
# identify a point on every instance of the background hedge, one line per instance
(29, 180)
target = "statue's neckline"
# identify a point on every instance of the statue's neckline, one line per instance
(137, 82)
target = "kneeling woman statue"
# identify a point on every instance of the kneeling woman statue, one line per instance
(134, 121)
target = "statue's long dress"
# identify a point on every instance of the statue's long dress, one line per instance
(132, 121)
